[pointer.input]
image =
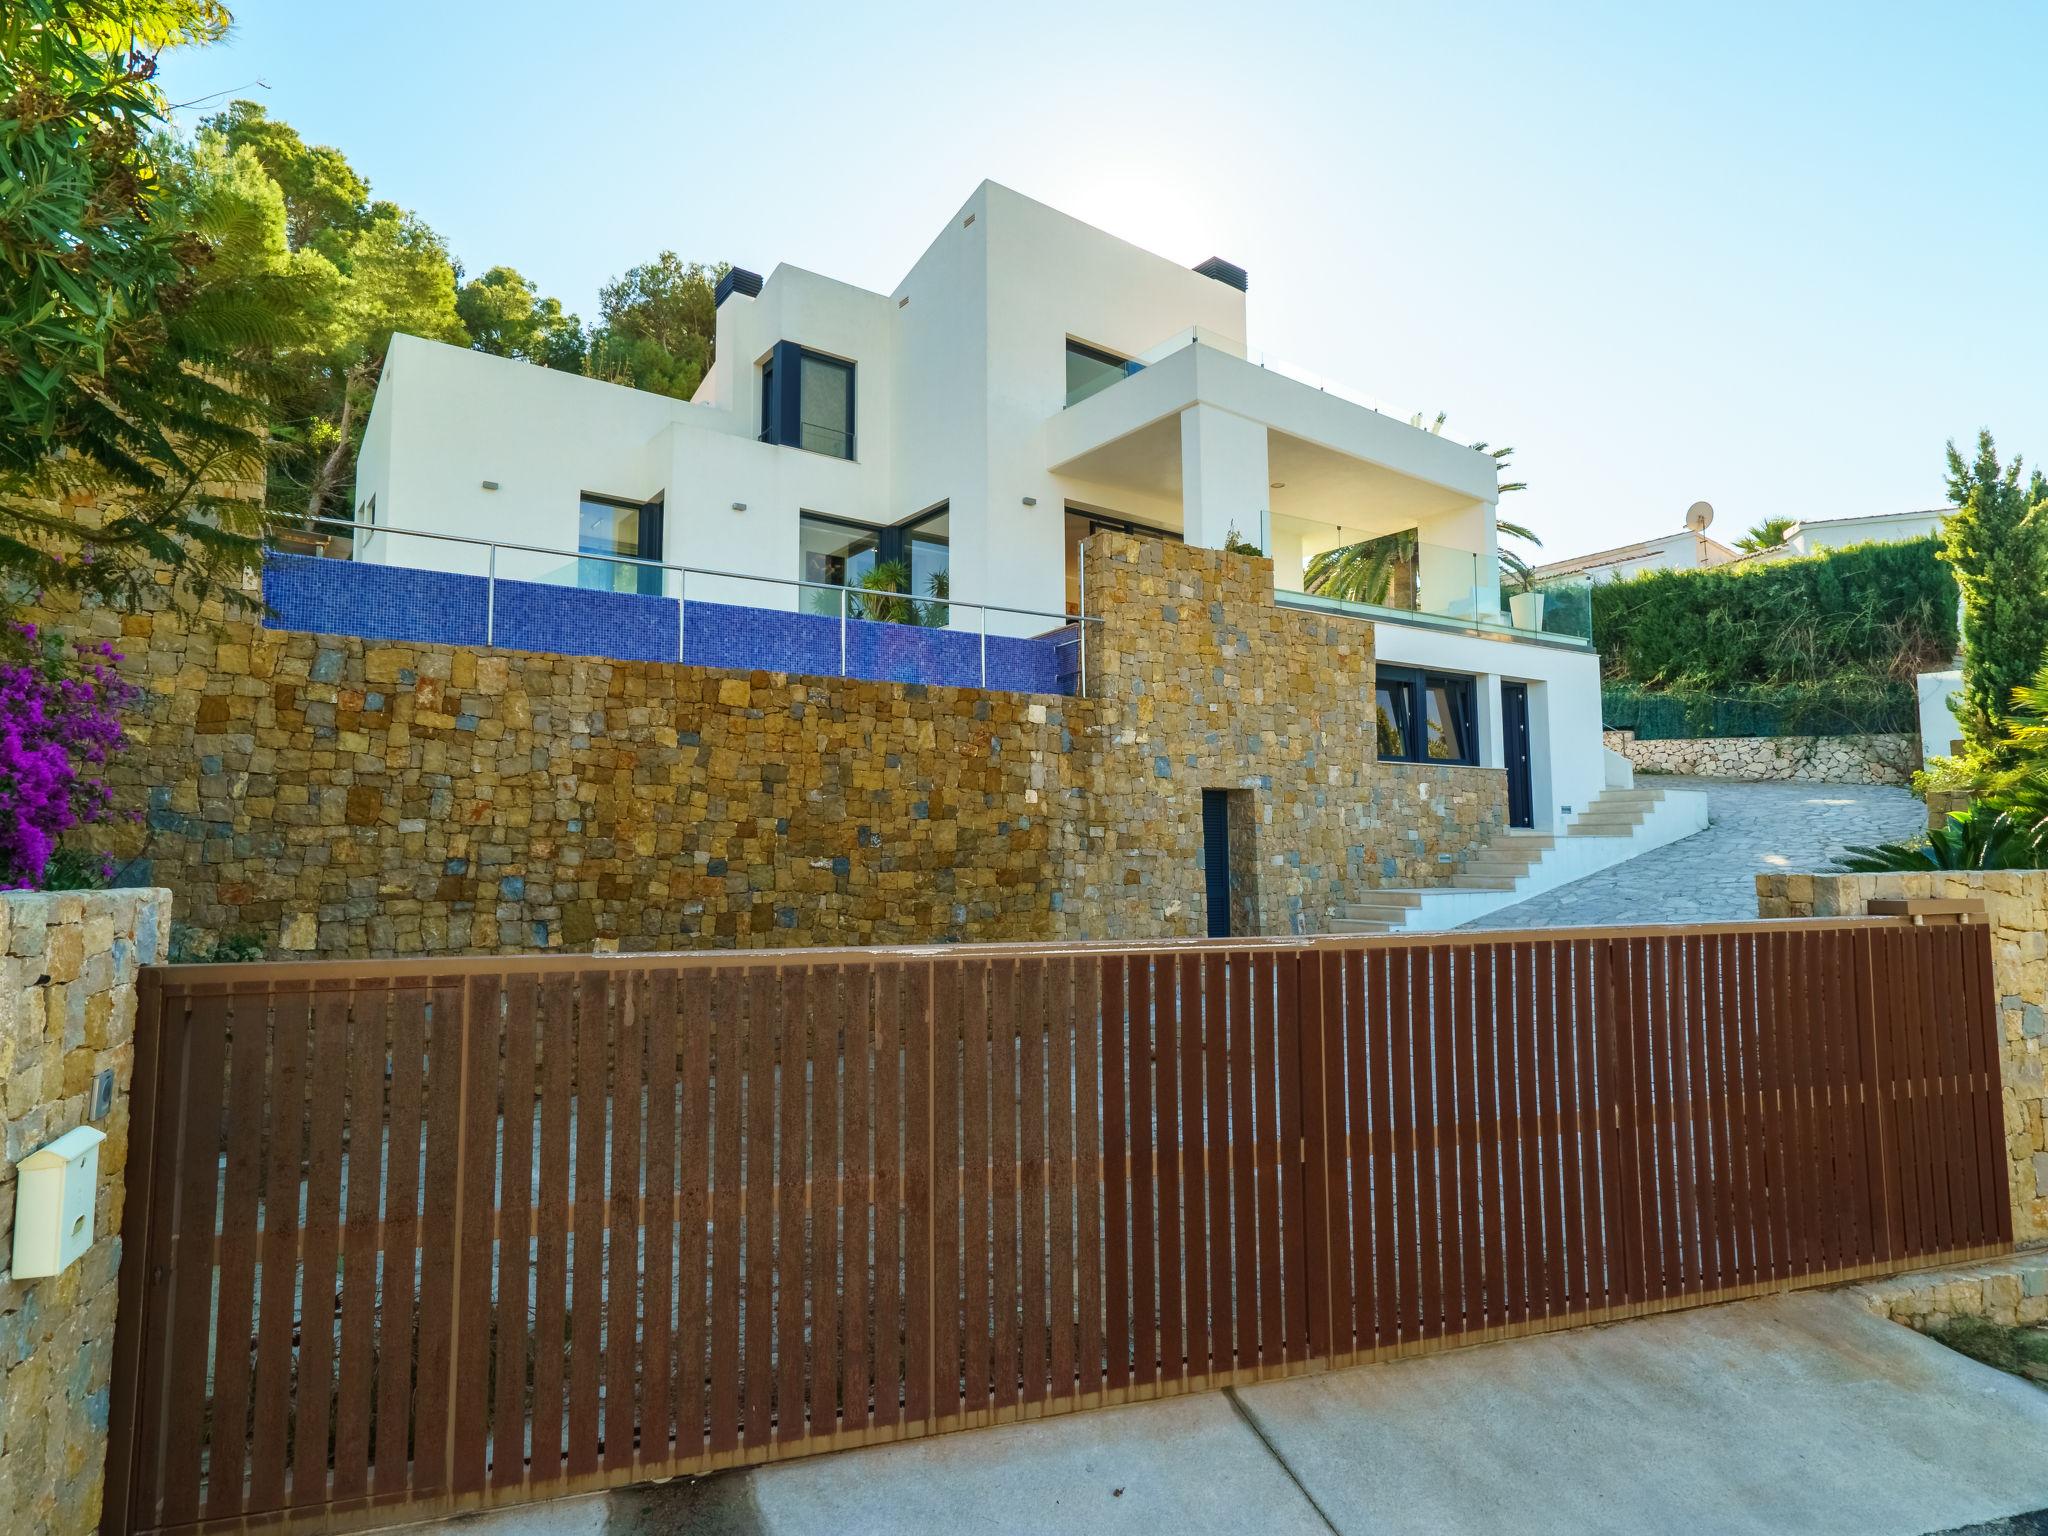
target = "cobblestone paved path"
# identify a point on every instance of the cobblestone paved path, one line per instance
(1710, 876)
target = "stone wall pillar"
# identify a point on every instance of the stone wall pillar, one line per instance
(67, 1014)
(2016, 902)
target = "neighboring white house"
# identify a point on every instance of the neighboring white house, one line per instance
(1686, 550)
(1814, 535)
(1030, 380)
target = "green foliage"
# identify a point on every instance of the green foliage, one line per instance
(1867, 611)
(1983, 837)
(1370, 571)
(506, 317)
(2021, 1351)
(1996, 543)
(191, 946)
(1847, 706)
(1768, 534)
(659, 323)
(1235, 543)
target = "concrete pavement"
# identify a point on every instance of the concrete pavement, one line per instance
(1792, 1413)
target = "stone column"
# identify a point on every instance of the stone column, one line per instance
(67, 1014)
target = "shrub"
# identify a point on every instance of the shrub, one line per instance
(1983, 837)
(1849, 706)
(58, 724)
(1870, 610)
(1996, 543)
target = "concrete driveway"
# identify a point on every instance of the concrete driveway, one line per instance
(1794, 1413)
(1710, 877)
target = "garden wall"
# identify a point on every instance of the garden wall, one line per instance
(1828, 759)
(67, 1013)
(359, 798)
(2017, 904)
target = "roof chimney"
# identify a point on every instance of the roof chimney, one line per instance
(737, 280)
(1225, 272)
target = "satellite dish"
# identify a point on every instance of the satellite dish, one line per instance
(1698, 516)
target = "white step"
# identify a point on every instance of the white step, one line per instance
(1619, 825)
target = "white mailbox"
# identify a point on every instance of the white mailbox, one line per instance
(54, 1190)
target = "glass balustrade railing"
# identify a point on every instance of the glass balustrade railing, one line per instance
(1400, 575)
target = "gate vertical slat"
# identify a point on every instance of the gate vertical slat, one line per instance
(1488, 1174)
(1196, 1252)
(477, 1269)
(1273, 1156)
(1738, 1006)
(1004, 982)
(1704, 1176)
(1325, 1219)
(923, 1302)
(1724, 1083)
(793, 1066)
(1622, 1212)
(1579, 1129)
(1243, 1155)
(1808, 1140)
(327, 1083)
(1090, 1174)
(556, 1031)
(976, 1078)
(397, 1297)
(1661, 1215)
(1173, 1253)
(946, 1036)
(1767, 1131)
(1915, 1191)
(291, 1015)
(1837, 1226)
(444, 1098)
(228, 1419)
(368, 1062)
(723, 1078)
(758, 1223)
(858, 1199)
(705, 1397)
(1067, 1169)
(1405, 1175)
(586, 1239)
(1369, 1042)
(1982, 1018)
(1034, 1287)
(514, 1228)
(1216, 1149)
(892, 1368)
(830, 1036)
(1955, 983)
(1532, 1239)
(1445, 1293)
(1298, 1291)
(624, 1191)
(1888, 1213)
(657, 993)
(1927, 1089)
(1144, 1143)
(192, 1223)
(1118, 1173)
(1848, 1087)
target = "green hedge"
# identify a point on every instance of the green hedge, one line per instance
(1845, 707)
(1868, 611)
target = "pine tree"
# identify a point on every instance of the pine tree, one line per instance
(1996, 543)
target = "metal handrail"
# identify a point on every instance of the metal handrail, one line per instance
(684, 572)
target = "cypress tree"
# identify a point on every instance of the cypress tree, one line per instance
(1996, 543)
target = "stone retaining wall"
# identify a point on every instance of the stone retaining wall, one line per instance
(2017, 903)
(67, 1014)
(2011, 1290)
(1826, 759)
(352, 797)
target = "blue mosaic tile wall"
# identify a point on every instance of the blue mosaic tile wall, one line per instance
(388, 602)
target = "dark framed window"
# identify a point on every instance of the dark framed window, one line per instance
(807, 400)
(609, 525)
(840, 552)
(1426, 717)
(1090, 370)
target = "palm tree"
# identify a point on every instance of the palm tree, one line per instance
(1768, 534)
(1365, 572)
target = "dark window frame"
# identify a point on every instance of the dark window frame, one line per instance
(1413, 685)
(892, 541)
(648, 537)
(782, 379)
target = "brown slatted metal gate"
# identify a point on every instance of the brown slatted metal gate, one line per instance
(417, 1236)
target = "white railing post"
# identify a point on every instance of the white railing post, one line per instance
(842, 631)
(682, 612)
(1082, 557)
(491, 598)
(984, 647)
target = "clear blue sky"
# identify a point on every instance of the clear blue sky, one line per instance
(1771, 256)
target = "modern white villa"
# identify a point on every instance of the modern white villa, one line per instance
(1030, 381)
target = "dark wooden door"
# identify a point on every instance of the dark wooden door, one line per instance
(1514, 724)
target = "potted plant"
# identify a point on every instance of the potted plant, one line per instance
(1525, 608)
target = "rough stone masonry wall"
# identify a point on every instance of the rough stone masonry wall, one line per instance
(67, 1013)
(1200, 681)
(359, 798)
(2017, 904)
(1825, 759)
